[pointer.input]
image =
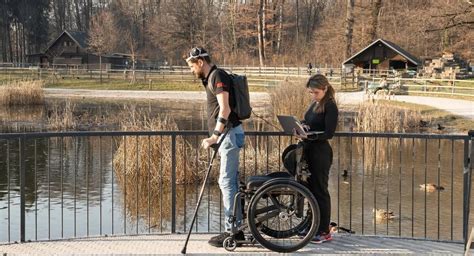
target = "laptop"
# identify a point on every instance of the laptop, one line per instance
(288, 123)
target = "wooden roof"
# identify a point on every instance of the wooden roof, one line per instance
(390, 45)
(79, 37)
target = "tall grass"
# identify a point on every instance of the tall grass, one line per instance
(135, 156)
(61, 118)
(22, 93)
(290, 98)
(372, 116)
(380, 116)
(22, 114)
(143, 164)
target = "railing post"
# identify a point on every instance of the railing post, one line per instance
(173, 183)
(22, 188)
(467, 177)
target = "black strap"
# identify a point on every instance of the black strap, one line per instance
(210, 81)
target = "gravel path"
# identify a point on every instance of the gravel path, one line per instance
(463, 108)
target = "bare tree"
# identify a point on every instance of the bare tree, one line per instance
(297, 22)
(456, 19)
(376, 6)
(260, 29)
(280, 25)
(102, 36)
(295, 31)
(349, 27)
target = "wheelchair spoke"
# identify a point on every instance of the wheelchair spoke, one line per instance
(267, 216)
(279, 212)
(265, 209)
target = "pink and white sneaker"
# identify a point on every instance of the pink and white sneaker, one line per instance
(321, 238)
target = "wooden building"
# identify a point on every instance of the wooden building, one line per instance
(70, 49)
(382, 55)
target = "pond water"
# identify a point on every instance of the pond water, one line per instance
(73, 190)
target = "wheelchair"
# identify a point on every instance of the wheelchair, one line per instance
(281, 212)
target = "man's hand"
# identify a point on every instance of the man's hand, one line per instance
(206, 143)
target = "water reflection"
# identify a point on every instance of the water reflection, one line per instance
(394, 183)
(72, 189)
(98, 115)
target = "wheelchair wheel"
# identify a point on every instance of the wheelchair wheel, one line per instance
(279, 211)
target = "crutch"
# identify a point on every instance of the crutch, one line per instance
(216, 148)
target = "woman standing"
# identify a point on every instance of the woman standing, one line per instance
(321, 115)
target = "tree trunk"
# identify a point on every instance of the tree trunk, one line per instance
(297, 22)
(233, 11)
(24, 44)
(349, 27)
(223, 41)
(100, 67)
(9, 43)
(377, 4)
(17, 43)
(280, 25)
(261, 52)
(264, 27)
(78, 15)
(87, 14)
(133, 70)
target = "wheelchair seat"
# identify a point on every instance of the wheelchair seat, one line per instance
(253, 182)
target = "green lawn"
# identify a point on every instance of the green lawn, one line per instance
(118, 84)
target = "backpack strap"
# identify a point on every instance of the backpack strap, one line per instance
(210, 81)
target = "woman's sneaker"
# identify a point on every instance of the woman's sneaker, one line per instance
(321, 238)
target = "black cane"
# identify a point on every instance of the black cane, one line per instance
(216, 148)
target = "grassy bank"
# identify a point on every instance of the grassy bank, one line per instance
(434, 116)
(157, 85)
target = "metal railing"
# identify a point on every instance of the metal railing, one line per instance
(82, 184)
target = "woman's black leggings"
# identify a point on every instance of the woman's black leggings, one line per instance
(319, 158)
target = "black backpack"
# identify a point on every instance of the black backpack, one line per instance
(240, 90)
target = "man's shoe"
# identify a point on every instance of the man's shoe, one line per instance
(239, 236)
(321, 238)
(218, 240)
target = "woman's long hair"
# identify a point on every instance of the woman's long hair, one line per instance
(319, 81)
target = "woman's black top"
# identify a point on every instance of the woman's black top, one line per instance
(325, 121)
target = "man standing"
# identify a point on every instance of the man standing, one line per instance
(220, 116)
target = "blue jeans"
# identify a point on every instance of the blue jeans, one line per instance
(229, 152)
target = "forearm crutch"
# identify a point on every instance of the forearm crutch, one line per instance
(209, 168)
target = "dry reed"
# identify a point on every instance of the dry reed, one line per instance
(143, 184)
(22, 93)
(289, 98)
(136, 155)
(379, 116)
(62, 118)
(22, 114)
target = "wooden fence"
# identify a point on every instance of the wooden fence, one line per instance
(257, 76)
